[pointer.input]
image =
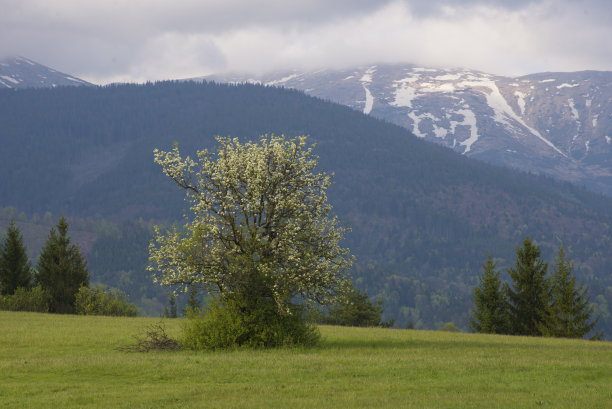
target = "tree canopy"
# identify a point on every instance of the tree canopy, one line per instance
(261, 227)
(61, 269)
(489, 314)
(529, 295)
(15, 268)
(570, 314)
(536, 304)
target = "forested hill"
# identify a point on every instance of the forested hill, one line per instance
(423, 217)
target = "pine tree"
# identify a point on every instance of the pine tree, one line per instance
(570, 310)
(193, 302)
(172, 312)
(15, 268)
(61, 269)
(489, 314)
(529, 297)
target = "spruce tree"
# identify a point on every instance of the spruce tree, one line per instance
(15, 268)
(529, 297)
(61, 269)
(489, 314)
(193, 302)
(570, 310)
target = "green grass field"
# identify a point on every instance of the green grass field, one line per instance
(62, 361)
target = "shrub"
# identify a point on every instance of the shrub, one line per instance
(450, 327)
(34, 299)
(352, 309)
(232, 324)
(97, 301)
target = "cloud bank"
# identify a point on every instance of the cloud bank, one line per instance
(140, 40)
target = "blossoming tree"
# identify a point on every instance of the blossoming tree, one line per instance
(260, 226)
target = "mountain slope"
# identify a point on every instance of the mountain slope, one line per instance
(557, 124)
(423, 217)
(19, 72)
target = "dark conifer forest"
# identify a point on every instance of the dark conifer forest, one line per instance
(423, 218)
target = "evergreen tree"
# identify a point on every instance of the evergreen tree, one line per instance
(172, 312)
(570, 310)
(489, 314)
(529, 297)
(193, 302)
(354, 309)
(61, 269)
(15, 268)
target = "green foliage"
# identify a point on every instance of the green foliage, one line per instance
(98, 301)
(194, 304)
(529, 296)
(353, 308)
(489, 314)
(536, 304)
(449, 327)
(261, 235)
(61, 269)
(570, 310)
(172, 312)
(231, 323)
(261, 224)
(34, 299)
(15, 268)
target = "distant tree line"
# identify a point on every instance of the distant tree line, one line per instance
(60, 281)
(535, 303)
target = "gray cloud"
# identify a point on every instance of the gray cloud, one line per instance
(136, 40)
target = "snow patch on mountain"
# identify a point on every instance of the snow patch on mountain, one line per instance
(416, 119)
(503, 111)
(10, 79)
(520, 101)
(573, 109)
(366, 79)
(283, 80)
(404, 94)
(447, 77)
(469, 119)
(367, 76)
(369, 102)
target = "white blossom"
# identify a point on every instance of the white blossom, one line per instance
(260, 223)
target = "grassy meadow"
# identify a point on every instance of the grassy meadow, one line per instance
(66, 361)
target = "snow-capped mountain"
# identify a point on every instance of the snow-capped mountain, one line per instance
(19, 72)
(559, 124)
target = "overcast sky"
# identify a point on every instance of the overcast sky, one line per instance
(106, 41)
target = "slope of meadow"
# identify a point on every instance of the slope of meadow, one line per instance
(75, 362)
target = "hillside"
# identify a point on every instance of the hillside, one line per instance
(423, 217)
(556, 124)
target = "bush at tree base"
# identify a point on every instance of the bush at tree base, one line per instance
(234, 323)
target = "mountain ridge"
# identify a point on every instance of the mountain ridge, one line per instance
(20, 72)
(558, 124)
